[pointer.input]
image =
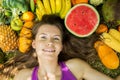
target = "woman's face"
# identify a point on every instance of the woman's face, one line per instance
(48, 41)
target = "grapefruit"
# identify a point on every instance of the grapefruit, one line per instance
(82, 20)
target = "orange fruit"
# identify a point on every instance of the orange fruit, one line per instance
(74, 2)
(28, 24)
(102, 28)
(28, 16)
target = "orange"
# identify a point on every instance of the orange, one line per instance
(74, 2)
(28, 16)
(102, 28)
(29, 24)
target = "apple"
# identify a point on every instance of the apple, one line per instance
(16, 24)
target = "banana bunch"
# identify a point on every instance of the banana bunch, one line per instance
(112, 39)
(57, 7)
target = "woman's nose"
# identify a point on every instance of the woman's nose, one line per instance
(50, 42)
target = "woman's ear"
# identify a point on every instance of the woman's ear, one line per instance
(33, 44)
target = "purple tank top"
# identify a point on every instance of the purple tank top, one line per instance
(66, 73)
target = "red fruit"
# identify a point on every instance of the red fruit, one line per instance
(82, 20)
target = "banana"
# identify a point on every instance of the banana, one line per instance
(52, 4)
(39, 14)
(58, 7)
(63, 7)
(47, 6)
(41, 7)
(32, 5)
(115, 34)
(67, 8)
(110, 41)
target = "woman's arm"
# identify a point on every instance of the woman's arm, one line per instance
(82, 69)
(24, 74)
(92, 74)
(118, 78)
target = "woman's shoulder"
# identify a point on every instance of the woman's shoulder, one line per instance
(77, 61)
(77, 64)
(24, 74)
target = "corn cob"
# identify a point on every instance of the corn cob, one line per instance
(111, 41)
(115, 34)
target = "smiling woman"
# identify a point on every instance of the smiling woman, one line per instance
(48, 42)
(58, 54)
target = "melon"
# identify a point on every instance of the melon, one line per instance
(82, 20)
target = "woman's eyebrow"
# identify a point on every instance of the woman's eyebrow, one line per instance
(58, 35)
(42, 34)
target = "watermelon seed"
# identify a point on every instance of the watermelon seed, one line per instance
(74, 24)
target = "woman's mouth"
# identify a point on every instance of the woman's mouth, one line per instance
(48, 50)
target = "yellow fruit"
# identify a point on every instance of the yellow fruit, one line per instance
(107, 55)
(115, 33)
(24, 44)
(25, 32)
(28, 24)
(8, 39)
(25, 39)
(67, 8)
(28, 16)
(110, 41)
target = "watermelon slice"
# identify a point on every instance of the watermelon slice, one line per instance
(82, 20)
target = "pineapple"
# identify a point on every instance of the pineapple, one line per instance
(8, 39)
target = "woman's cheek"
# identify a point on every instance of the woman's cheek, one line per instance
(60, 47)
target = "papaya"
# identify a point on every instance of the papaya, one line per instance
(107, 55)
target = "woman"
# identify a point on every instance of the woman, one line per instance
(55, 60)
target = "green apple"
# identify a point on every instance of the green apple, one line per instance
(16, 24)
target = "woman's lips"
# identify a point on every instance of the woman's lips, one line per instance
(48, 50)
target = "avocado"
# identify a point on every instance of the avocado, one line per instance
(111, 11)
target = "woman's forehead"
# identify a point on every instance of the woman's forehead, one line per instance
(49, 29)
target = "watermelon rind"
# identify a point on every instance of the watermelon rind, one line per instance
(95, 26)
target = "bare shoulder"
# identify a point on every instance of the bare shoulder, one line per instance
(82, 69)
(24, 74)
(77, 67)
(77, 62)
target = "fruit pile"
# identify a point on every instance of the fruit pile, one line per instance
(82, 18)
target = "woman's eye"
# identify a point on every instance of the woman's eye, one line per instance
(57, 39)
(43, 37)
